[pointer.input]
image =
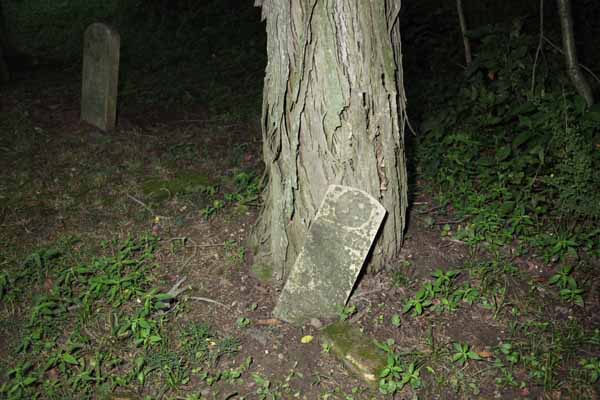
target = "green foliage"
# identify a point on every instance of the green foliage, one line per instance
(243, 322)
(20, 378)
(592, 366)
(515, 161)
(234, 253)
(546, 348)
(569, 291)
(246, 193)
(463, 353)
(345, 312)
(195, 339)
(96, 324)
(396, 374)
(441, 294)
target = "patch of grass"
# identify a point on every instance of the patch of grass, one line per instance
(440, 295)
(234, 253)
(162, 189)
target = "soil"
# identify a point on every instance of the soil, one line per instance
(71, 179)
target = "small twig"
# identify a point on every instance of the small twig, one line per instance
(176, 290)
(454, 240)
(458, 221)
(539, 48)
(268, 321)
(589, 71)
(207, 300)
(141, 203)
(431, 209)
(190, 258)
(365, 293)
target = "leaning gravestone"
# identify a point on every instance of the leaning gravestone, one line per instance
(100, 76)
(337, 243)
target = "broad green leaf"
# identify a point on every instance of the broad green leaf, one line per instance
(522, 138)
(69, 359)
(29, 380)
(155, 339)
(502, 153)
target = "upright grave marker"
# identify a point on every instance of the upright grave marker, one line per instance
(337, 243)
(100, 76)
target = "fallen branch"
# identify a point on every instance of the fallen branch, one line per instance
(588, 70)
(141, 203)
(207, 300)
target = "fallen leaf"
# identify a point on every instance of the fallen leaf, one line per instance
(306, 339)
(484, 354)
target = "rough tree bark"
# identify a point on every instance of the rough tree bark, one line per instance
(566, 23)
(333, 112)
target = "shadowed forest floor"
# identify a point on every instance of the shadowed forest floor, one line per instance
(73, 196)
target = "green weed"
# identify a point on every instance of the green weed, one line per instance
(463, 353)
(396, 374)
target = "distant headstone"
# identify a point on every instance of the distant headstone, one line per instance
(337, 243)
(100, 77)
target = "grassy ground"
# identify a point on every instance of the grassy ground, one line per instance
(123, 271)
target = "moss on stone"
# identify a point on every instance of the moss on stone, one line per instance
(355, 350)
(162, 189)
(262, 272)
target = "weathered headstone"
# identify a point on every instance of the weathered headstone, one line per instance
(337, 243)
(100, 76)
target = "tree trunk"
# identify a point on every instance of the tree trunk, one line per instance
(333, 112)
(566, 23)
(4, 71)
(463, 31)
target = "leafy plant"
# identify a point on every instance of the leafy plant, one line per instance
(195, 339)
(346, 312)
(514, 161)
(569, 291)
(395, 375)
(420, 301)
(209, 211)
(463, 353)
(234, 252)
(21, 378)
(563, 278)
(592, 366)
(243, 322)
(265, 390)
(443, 280)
